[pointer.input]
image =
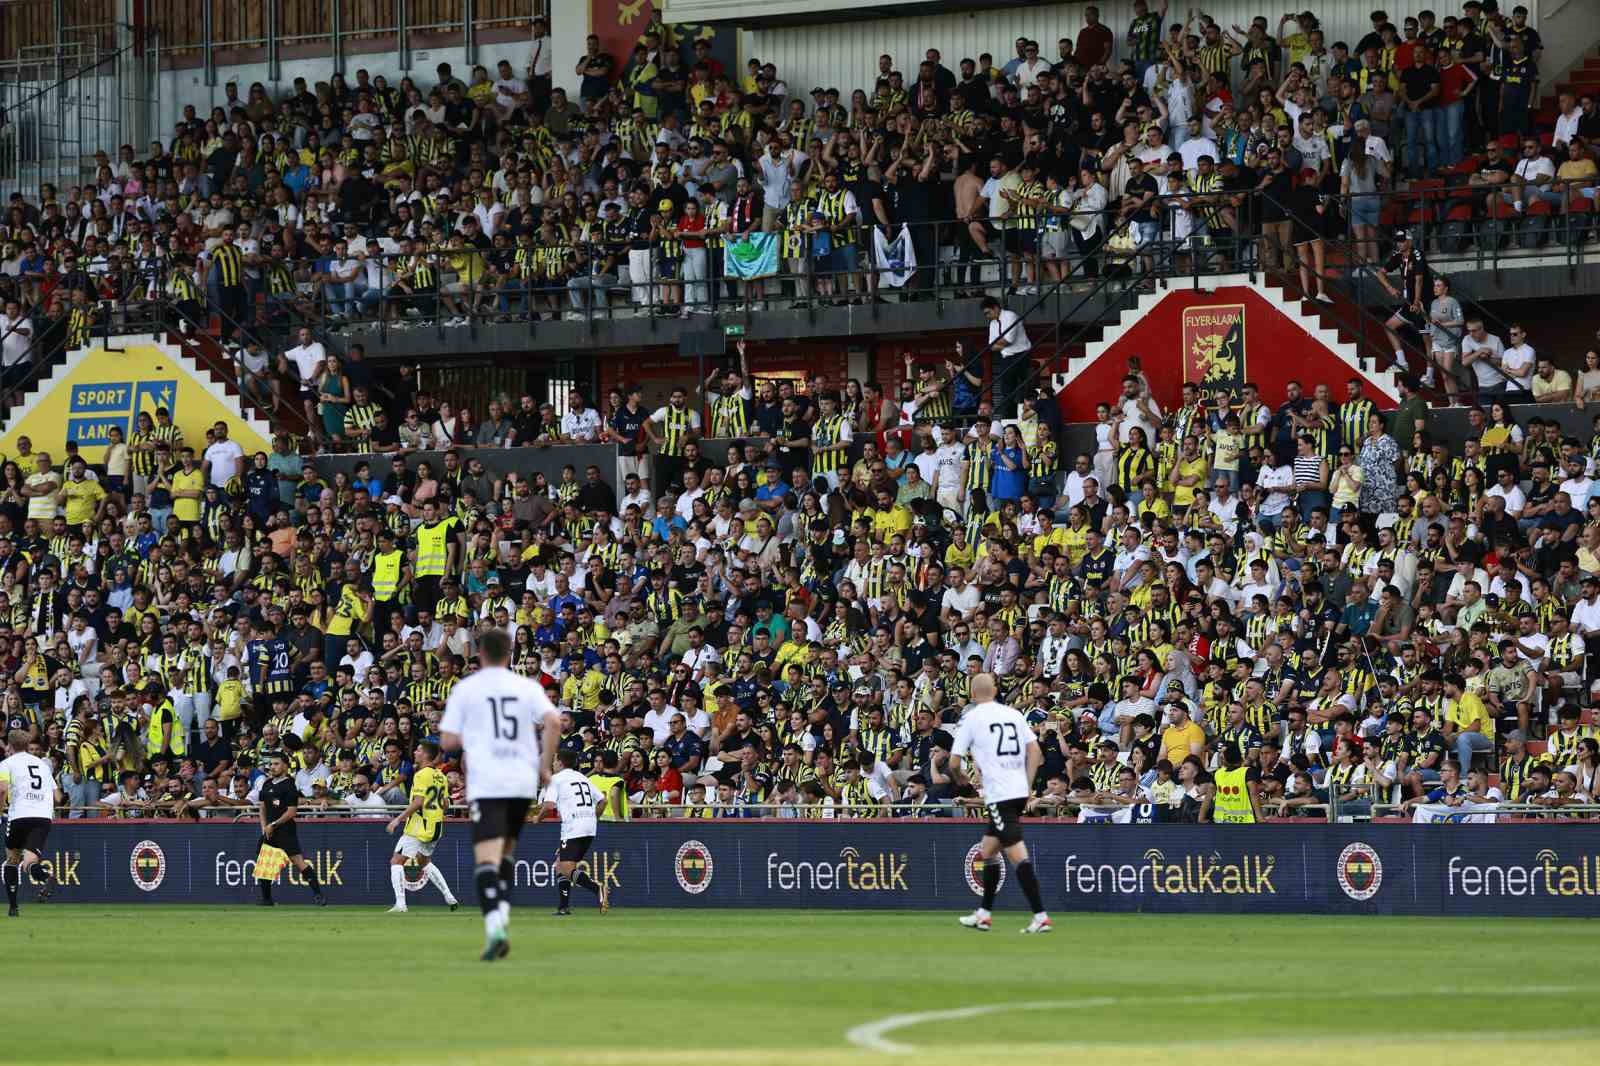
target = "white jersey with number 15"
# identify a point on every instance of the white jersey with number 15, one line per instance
(500, 717)
(996, 737)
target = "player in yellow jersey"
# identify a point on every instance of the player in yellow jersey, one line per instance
(424, 822)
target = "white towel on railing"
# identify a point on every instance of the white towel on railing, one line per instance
(1465, 812)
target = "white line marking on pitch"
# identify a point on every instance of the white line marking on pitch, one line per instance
(874, 1035)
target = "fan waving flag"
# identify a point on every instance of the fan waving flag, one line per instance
(756, 256)
(897, 259)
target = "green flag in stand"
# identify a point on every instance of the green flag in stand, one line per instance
(754, 257)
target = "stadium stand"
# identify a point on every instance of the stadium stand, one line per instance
(771, 598)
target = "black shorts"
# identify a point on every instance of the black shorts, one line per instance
(1022, 240)
(1005, 821)
(1410, 317)
(28, 834)
(573, 849)
(497, 819)
(286, 838)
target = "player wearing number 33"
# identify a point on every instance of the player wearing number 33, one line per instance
(424, 822)
(999, 740)
(28, 797)
(508, 730)
(571, 796)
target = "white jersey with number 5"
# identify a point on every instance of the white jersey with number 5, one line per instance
(500, 717)
(996, 737)
(575, 800)
(31, 786)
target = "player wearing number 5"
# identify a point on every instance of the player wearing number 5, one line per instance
(424, 822)
(28, 796)
(1001, 743)
(571, 796)
(509, 731)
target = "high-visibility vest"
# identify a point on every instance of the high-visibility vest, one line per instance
(1232, 797)
(433, 549)
(603, 784)
(164, 712)
(386, 569)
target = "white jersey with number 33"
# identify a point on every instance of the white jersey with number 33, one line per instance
(30, 785)
(996, 737)
(500, 718)
(575, 799)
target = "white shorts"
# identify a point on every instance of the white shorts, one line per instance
(411, 847)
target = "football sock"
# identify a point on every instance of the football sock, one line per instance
(310, 874)
(507, 875)
(39, 874)
(10, 874)
(488, 882)
(1030, 886)
(583, 880)
(436, 879)
(397, 878)
(991, 882)
(564, 891)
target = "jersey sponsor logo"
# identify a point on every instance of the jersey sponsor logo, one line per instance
(1548, 875)
(1359, 871)
(855, 872)
(693, 867)
(148, 865)
(1187, 875)
(973, 870)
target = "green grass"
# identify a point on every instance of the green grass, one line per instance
(294, 984)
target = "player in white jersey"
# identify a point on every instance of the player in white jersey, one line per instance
(574, 799)
(28, 797)
(508, 730)
(999, 740)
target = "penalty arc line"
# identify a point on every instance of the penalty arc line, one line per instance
(874, 1035)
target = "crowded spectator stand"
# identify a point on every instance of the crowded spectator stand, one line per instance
(774, 596)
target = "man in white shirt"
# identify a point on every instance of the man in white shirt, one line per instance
(946, 480)
(1008, 348)
(224, 458)
(1578, 486)
(961, 598)
(17, 329)
(1517, 362)
(509, 90)
(1031, 67)
(1507, 489)
(1532, 179)
(303, 362)
(488, 211)
(581, 423)
(1482, 351)
(1195, 145)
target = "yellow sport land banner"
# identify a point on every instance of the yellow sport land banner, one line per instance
(96, 389)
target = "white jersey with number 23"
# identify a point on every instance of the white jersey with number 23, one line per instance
(996, 737)
(500, 717)
(31, 785)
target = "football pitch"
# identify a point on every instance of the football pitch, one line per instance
(191, 984)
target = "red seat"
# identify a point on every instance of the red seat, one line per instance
(1508, 141)
(1535, 747)
(1459, 213)
(1499, 209)
(1580, 205)
(1547, 139)
(1540, 207)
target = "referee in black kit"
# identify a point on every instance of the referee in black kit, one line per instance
(227, 273)
(280, 802)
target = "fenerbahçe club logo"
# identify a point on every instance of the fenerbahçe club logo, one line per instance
(973, 868)
(692, 867)
(1359, 871)
(148, 865)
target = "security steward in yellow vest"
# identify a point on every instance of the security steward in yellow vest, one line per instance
(391, 577)
(165, 735)
(435, 555)
(1237, 787)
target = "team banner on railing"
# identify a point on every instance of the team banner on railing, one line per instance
(1521, 869)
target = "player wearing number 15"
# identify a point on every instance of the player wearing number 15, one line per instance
(1001, 743)
(28, 796)
(509, 731)
(424, 822)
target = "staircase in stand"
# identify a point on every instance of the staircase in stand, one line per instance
(208, 354)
